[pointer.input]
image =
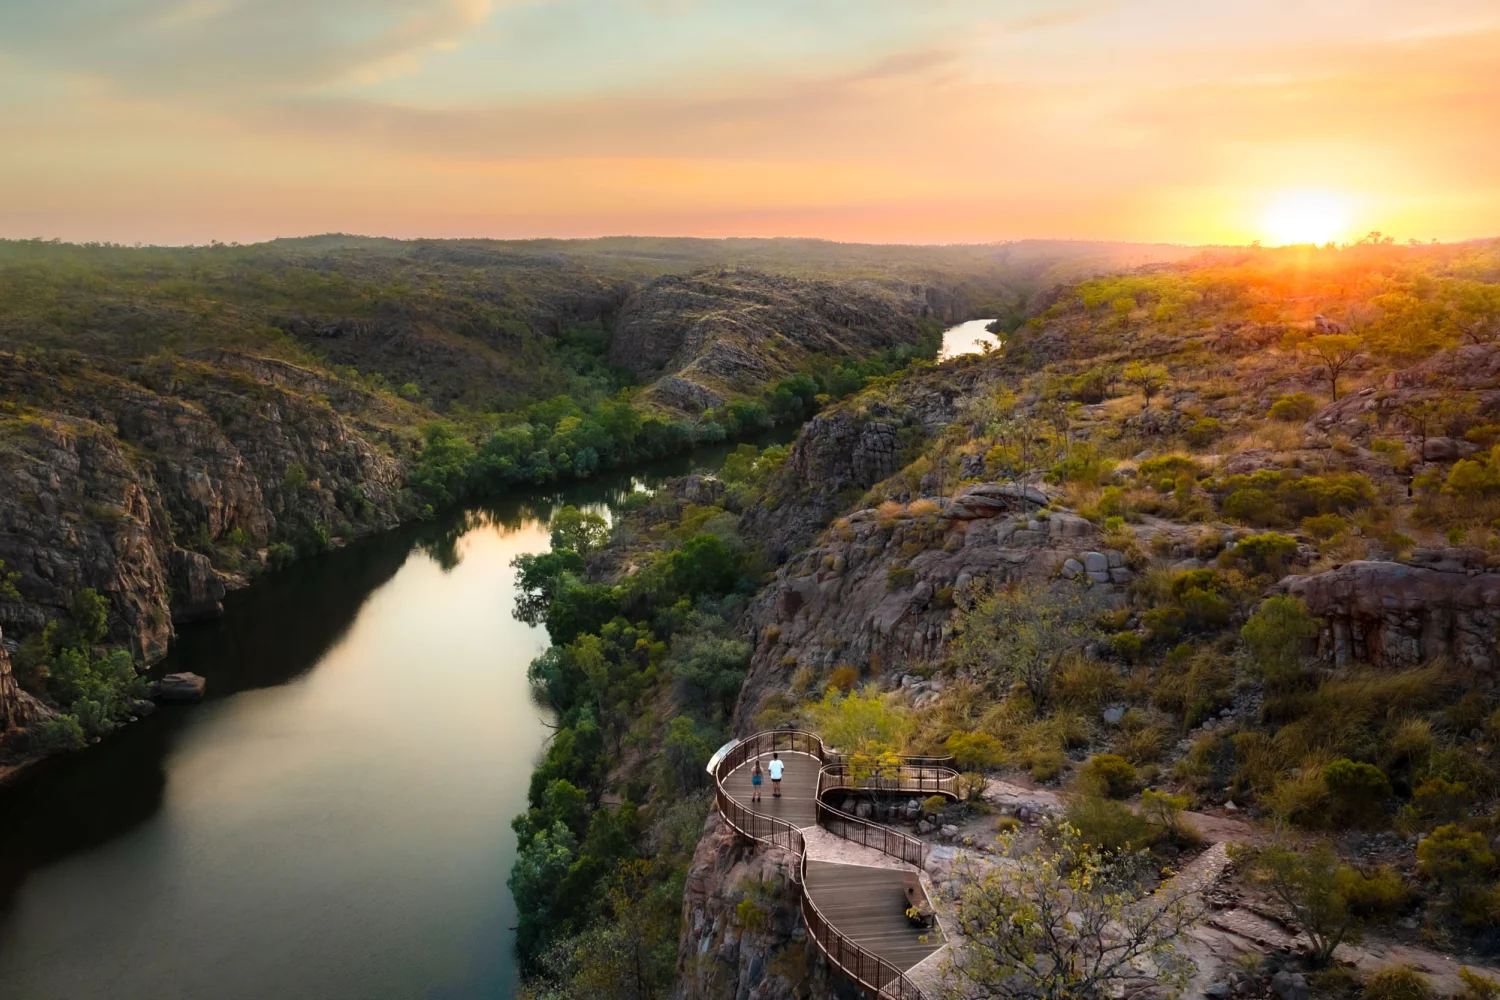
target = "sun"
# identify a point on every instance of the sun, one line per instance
(1306, 217)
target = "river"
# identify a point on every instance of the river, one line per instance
(334, 820)
(966, 338)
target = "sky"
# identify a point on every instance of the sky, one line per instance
(931, 121)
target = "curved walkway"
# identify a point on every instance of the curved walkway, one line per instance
(853, 872)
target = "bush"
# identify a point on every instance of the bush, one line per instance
(1110, 826)
(1267, 553)
(59, 733)
(1455, 858)
(1358, 790)
(1399, 982)
(1294, 408)
(1126, 645)
(1324, 526)
(1204, 432)
(899, 578)
(933, 805)
(1477, 986)
(1250, 506)
(974, 751)
(843, 677)
(1108, 775)
(1086, 684)
(1275, 636)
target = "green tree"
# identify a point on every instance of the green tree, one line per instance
(1023, 633)
(704, 565)
(1320, 892)
(579, 530)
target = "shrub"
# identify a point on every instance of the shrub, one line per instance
(1204, 432)
(974, 751)
(1108, 775)
(1441, 800)
(1477, 986)
(1399, 982)
(1086, 684)
(1455, 858)
(1324, 526)
(1007, 824)
(933, 805)
(1358, 790)
(1165, 811)
(1126, 645)
(1108, 825)
(843, 677)
(899, 578)
(1275, 636)
(1142, 746)
(280, 555)
(1267, 553)
(59, 733)
(1294, 408)
(1251, 506)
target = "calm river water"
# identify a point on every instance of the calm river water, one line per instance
(334, 821)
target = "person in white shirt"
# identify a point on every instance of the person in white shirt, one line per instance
(775, 767)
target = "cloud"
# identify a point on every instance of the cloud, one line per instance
(189, 49)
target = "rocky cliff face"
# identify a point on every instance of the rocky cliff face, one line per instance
(877, 591)
(718, 332)
(1397, 615)
(159, 483)
(759, 953)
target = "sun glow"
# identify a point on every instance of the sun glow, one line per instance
(1306, 217)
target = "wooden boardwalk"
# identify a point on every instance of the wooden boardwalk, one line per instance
(865, 902)
(868, 906)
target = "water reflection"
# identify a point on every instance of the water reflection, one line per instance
(334, 820)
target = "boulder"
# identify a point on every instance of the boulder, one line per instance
(1072, 569)
(180, 687)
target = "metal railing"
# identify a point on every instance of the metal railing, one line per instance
(920, 775)
(927, 780)
(866, 968)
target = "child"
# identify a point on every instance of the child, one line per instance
(755, 782)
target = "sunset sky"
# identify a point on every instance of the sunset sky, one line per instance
(1196, 121)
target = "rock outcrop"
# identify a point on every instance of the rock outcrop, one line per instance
(722, 953)
(718, 332)
(877, 591)
(1397, 615)
(133, 478)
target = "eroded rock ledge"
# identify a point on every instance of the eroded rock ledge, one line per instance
(1397, 615)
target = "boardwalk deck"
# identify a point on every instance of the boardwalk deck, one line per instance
(799, 789)
(866, 903)
(868, 906)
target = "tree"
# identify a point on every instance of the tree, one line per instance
(857, 723)
(1276, 635)
(704, 565)
(1068, 924)
(1333, 353)
(1149, 379)
(581, 531)
(1024, 632)
(1474, 308)
(1326, 897)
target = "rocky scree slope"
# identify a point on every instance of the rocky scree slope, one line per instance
(715, 333)
(160, 484)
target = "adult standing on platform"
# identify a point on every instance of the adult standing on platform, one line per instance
(775, 767)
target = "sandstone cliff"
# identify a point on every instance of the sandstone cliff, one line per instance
(1396, 615)
(160, 483)
(760, 952)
